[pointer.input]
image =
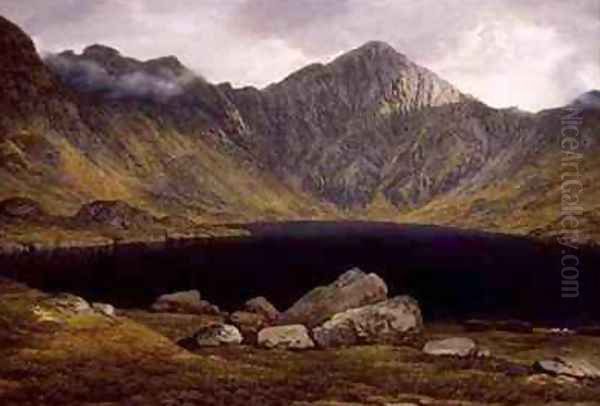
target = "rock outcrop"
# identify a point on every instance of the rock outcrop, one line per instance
(69, 303)
(290, 337)
(116, 214)
(351, 290)
(21, 208)
(393, 321)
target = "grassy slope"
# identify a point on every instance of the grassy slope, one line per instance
(51, 356)
(527, 204)
(158, 170)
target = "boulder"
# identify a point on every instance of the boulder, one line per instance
(262, 306)
(570, 367)
(351, 290)
(213, 336)
(115, 214)
(20, 207)
(184, 302)
(390, 322)
(292, 337)
(457, 346)
(105, 309)
(249, 324)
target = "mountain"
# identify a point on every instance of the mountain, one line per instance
(64, 147)
(369, 135)
(590, 100)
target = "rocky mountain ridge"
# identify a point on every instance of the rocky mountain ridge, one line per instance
(370, 135)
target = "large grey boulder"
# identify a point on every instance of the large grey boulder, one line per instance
(260, 305)
(570, 367)
(351, 290)
(391, 321)
(292, 337)
(456, 346)
(184, 302)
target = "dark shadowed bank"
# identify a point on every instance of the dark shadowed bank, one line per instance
(453, 273)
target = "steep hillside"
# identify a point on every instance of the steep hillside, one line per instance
(370, 135)
(168, 153)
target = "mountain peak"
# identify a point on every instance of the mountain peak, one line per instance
(16, 46)
(376, 51)
(166, 64)
(99, 50)
(23, 76)
(589, 99)
(377, 46)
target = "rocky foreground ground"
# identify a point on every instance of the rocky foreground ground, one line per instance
(61, 350)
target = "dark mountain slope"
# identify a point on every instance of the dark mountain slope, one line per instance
(169, 153)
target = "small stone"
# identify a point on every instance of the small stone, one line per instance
(292, 337)
(571, 367)
(215, 336)
(457, 346)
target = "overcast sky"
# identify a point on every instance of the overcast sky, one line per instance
(529, 53)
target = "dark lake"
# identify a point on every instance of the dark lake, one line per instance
(454, 274)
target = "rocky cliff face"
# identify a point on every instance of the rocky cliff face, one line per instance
(334, 123)
(369, 135)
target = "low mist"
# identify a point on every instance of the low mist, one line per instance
(90, 77)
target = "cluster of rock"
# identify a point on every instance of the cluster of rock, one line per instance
(323, 318)
(354, 309)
